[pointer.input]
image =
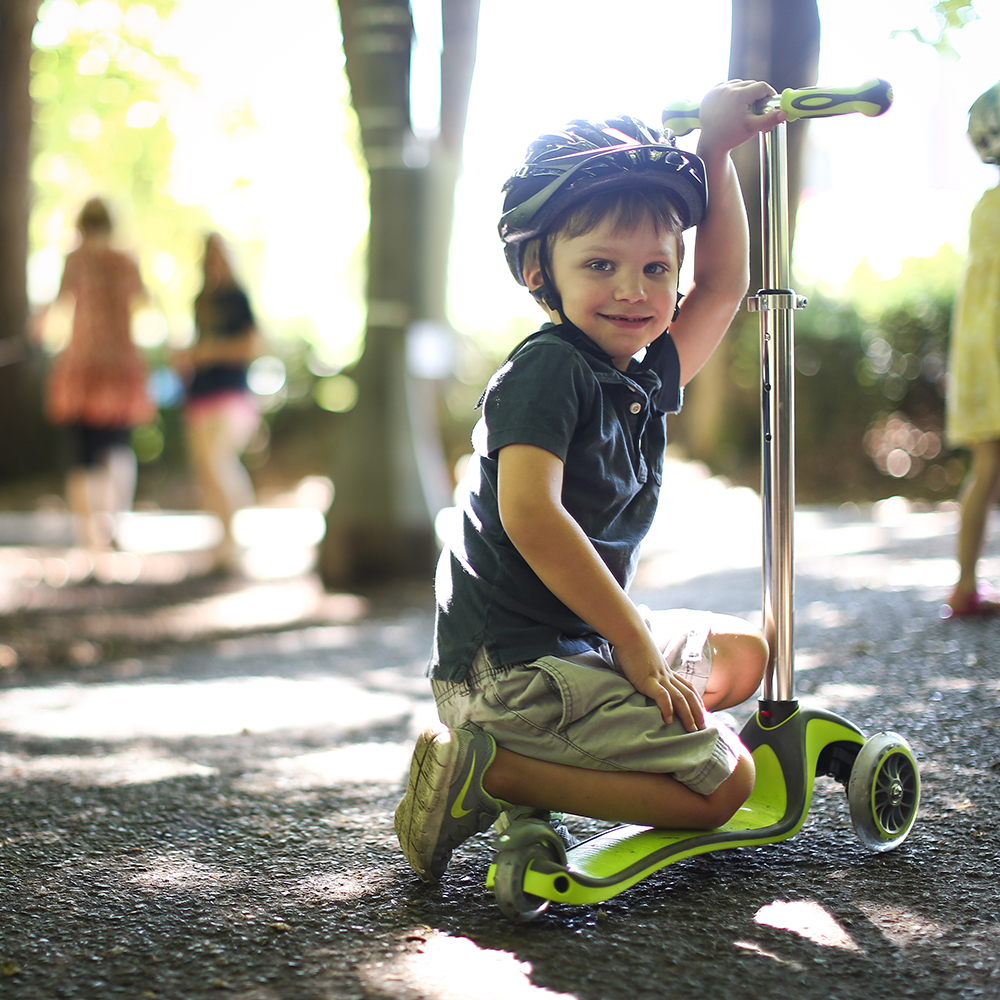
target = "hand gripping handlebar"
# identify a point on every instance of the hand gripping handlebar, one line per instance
(872, 98)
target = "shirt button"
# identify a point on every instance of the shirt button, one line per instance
(635, 408)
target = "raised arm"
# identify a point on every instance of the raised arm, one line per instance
(553, 544)
(722, 244)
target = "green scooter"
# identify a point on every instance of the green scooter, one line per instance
(790, 744)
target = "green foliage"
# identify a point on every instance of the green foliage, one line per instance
(871, 385)
(869, 406)
(101, 92)
(950, 15)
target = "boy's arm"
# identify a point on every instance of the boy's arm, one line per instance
(722, 245)
(553, 544)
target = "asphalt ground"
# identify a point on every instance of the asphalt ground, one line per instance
(197, 778)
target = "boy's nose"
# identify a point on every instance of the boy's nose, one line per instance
(631, 288)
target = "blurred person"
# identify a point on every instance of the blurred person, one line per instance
(97, 384)
(221, 414)
(972, 418)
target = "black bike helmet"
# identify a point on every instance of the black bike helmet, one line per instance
(590, 157)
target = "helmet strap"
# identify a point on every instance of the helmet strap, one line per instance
(546, 293)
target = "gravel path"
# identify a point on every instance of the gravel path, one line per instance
(197, 780)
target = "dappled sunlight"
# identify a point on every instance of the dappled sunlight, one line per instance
(840, 696)
(343, 883)
(765, 953)
(142, 709)
(258, 606)
(176, 871)
(823, 614)
(808, 919)
(278, 541)
(134, 766)
(442, 967)
(901, 927)
(359, 763)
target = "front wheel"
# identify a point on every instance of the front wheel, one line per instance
(884, 791)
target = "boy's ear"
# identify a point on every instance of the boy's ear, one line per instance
(533, 276)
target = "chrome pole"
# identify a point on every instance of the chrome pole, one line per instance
(776, 303)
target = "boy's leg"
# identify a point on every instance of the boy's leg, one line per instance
(618, 796)
(739, 658)
(460, 781)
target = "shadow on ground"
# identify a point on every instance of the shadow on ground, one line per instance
(197, 781)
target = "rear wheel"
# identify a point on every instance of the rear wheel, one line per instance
(884, 791)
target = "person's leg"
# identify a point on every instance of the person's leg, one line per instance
(88, 488)
(122, 473)
(78, 500)
(218, 433)
(618, 796)
(215, 440)
(460, 782)
(977, 499)
(739, 658)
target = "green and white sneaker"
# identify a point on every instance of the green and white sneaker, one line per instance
(445, 802)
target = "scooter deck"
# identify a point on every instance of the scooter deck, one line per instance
(612, 861)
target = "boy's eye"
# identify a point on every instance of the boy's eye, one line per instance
(657, 268)
(600, 265)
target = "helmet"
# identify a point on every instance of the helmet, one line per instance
(984, 125)
(591, 157)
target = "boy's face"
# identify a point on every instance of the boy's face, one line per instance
(619, 288)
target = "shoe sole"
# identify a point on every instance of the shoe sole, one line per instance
(432, 772)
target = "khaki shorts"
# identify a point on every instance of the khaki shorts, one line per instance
(581, 710)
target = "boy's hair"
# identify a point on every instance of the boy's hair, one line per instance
(94, 218)
(624, 208)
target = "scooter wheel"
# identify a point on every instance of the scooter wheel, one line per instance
(884, 791)
(508, 882)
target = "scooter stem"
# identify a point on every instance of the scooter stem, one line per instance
(776, 303)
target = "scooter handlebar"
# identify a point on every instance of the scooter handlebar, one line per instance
(872, 98)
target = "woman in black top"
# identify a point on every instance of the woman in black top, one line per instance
(221, 412)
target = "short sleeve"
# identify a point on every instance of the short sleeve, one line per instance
(538, 397)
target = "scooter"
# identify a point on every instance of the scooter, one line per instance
(791, 744)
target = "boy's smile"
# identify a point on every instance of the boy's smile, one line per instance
(619, 286)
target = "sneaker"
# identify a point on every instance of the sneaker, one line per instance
(445, 802)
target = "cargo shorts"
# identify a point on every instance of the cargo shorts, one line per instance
(581, 710)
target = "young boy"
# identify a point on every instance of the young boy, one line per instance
(556, 691)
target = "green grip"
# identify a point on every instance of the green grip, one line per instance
(872, 98)
(681, 117)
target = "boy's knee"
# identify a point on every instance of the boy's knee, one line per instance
(727, 799)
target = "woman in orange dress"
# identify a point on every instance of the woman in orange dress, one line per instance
(97, 384)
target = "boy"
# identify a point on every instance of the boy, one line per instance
(555, 690)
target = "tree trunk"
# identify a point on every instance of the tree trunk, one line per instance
(26, 439)
(777, 41)
(389, 474)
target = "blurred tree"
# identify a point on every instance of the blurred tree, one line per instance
(20, 415)
(389, 473)
(777, 41)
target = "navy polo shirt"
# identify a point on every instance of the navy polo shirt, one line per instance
(558, 391)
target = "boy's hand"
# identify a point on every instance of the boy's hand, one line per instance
(650, 675)
(728, 117)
